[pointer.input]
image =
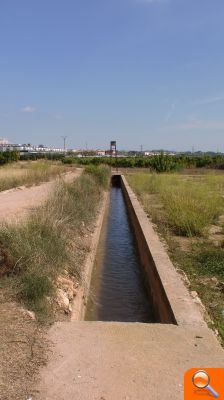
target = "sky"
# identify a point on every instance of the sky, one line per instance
(142, 72)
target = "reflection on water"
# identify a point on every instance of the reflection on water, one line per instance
(117, 290)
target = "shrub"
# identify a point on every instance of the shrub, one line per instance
(35, 287)
(8, 156)
(164, 163)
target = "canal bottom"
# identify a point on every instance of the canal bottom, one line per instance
(117, 291)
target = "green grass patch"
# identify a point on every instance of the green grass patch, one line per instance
(210, 261)
(35, 287)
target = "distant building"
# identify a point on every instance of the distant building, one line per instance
(27, 148)
(3, 141)
(100, 152)
(110, 153)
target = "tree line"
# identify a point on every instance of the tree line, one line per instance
(159, 163)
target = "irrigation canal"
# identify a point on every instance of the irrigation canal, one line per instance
(117, 290)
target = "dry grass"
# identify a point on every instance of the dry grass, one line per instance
(40, 247)
(29, 173)
(190, 204)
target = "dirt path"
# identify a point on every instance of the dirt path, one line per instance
(17, 202)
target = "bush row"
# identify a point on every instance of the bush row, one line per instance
(158, 163)
(8, 156)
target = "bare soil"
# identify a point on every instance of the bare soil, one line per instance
(23, 347)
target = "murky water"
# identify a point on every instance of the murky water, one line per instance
(117, 290)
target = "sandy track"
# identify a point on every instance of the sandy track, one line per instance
(18, 202)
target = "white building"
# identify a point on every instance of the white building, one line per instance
(100, 152)
(28, 148)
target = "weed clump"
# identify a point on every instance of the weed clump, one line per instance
(35, 287)
(211, 262)
(101, 173)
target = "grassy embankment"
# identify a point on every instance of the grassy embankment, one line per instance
(29, 173)
(188, 211)
(51, 239)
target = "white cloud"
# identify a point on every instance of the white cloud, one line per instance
(28, 109)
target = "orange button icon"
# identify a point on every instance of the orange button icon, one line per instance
(202, 383)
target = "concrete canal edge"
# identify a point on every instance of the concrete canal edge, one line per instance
(172, 301)
(80, 301)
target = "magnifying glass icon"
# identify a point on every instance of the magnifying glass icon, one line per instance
(201, 380)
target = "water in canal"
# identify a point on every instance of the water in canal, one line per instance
(117, 291)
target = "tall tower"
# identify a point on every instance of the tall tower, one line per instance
(64, 140)
(113, 148)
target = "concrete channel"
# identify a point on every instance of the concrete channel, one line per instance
(118, 290)
(167, 294)
(102, 360)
